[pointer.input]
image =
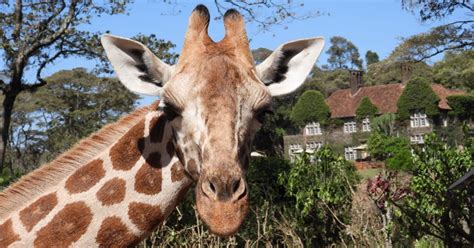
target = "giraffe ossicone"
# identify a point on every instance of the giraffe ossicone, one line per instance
(116, 186)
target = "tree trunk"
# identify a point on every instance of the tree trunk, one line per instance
(8, 103)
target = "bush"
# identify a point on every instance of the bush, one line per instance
(462, 105)
(418, 95)
(395, 151)
(310, 107)
(366, 109)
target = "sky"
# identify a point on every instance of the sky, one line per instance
(376, 25)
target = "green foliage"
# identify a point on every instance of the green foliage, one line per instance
(328, 81)
(431, 209)
(366, 109)
(322, 191)
(384, 124)
(371, 57)
(395, 151)
(462, 105)
(310, 107)
(418, 95)
(343, 54)
(389, 71)
(72, 105)
(456, 70)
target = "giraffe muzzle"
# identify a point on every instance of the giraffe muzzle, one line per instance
(222, 202)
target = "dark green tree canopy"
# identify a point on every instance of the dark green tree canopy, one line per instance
(418, 95)
(371, 57)
(310, 107)
(343, 54)
(462, 105)
(456, 70)
(366, 109)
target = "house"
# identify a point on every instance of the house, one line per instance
(350, 135)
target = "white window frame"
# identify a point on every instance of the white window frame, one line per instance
(419, 119)
(294, 147)
(350, 127)
(313, 128)
(417, 139)
(315, 145)
(350, 153)
(366, 125)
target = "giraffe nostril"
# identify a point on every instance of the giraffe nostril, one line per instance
(212, 187)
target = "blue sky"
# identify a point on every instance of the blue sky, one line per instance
(376, 25)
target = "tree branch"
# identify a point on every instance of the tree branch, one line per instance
(18, 20)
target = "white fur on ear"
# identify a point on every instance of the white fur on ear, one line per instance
(286, 69)
(136, 66)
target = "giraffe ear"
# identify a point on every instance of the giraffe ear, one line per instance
(136, 66)
(286, 69)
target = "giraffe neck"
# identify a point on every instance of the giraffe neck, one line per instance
(115, 198)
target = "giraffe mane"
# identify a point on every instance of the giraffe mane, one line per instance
(38, 181)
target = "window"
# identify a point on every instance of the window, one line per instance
(366, 125)
(417, 139)
(419, 119)
(350, 153)
(294, 148)
(313, 128)
(315, 145)
(350, 127)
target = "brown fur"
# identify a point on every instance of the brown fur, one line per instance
(86, 177)
(127, 151)
(67, 226)
(148, 180)
(113, 233)
(36, 182)
(145, 216)
(177, 172)
(8, 235)
(112, 192)
(32, 214)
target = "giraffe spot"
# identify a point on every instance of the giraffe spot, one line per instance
(85, 177)
(148, 180)
(145, 216)
(177, 172)
(170, 148)
(66, 227)
(8, 236)
(32, 214)
(154, 159)
(192, 169)
(114, 233)
(157, 128)
(112, 192)
(127, 151)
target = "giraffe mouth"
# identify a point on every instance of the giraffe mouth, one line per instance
(222, 210)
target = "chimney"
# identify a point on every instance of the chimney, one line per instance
(356, 81)
(406, 68)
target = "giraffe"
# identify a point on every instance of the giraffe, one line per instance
(116, 186)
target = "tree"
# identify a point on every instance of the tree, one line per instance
(456, 70)
(310, 107)
(343, 54)
(371, 57)
(432, 208)
(323, 194)
(34, 34)
(418, 95)
(72, 105)
(452, 36)
(390, 71)
(462, 105)
(395, 151)
(366, 109)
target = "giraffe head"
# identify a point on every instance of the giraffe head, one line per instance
(215, 99)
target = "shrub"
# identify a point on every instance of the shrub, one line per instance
(310, 107)
(366, 109)
(418, 94)
(462, 105)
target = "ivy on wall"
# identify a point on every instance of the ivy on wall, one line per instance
(310, 107)
(462, 105)
(418, 94)
(366, 109)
